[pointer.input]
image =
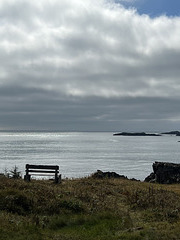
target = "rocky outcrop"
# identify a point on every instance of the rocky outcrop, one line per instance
(135, 134)
(165, 173)
(106, 175)
(176, 133)
(100, 175)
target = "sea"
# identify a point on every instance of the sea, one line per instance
(79, 154)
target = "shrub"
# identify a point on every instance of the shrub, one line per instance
(14, 173)
(15, 201)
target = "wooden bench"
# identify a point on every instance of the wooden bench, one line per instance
(42, 170)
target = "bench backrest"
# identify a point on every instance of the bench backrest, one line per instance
(43, 170)
(30, 168)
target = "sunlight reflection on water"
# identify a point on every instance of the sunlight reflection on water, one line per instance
(81, 154)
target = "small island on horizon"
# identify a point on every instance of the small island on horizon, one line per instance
(135, 134)
(176, 133)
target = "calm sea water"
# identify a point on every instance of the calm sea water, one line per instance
(80, 154)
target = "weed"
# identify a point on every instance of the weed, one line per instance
(74, 206)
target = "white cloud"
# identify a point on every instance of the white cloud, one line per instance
(87, 41)
(86, 48)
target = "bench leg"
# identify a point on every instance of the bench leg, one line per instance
(27, 178)
(58, 179)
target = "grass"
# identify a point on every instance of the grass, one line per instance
(88, 209)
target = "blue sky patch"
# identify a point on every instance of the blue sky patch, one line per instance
(154, 8)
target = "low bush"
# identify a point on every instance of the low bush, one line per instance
(15, 201)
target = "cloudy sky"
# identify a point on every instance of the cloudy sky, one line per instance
(90, 65)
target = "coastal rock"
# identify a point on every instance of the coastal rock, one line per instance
(150, 178)
(177, 133)
(135, 134)
(100, 175)
(164, 173)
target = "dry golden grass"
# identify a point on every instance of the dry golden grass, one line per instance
(88, 208)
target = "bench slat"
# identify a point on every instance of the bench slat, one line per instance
(42, 167)
(41, 171)
(45, 175)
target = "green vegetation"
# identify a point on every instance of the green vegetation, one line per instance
(88, 209)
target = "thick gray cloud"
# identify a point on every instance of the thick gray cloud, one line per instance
(87, 65)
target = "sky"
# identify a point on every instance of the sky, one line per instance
(90, 65)
(154, 8)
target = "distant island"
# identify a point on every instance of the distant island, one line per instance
(177, 133)
(136, 134)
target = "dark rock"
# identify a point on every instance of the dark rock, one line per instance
(150, 178)
(165, 173)
(135, 134)
(134, 179)
(177, 133)
(101, 175)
